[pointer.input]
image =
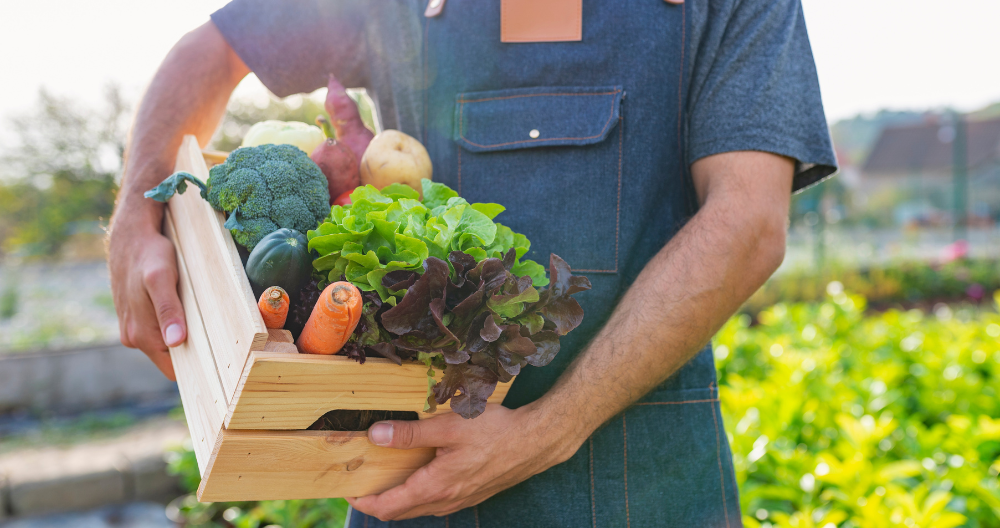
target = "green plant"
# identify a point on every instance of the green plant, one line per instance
(315, 513)
(397, 229)
(262, 188)
(842, 419)
(56, 431)
(61, 171)
(8, 302)
(888, 284)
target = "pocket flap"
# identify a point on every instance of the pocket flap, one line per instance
(536, 117)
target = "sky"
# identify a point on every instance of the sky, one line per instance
(871, 54)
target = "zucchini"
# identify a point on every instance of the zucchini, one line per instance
(280, 259)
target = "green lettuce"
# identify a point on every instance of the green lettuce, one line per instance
(394, 230)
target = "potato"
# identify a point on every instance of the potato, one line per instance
(395, 157)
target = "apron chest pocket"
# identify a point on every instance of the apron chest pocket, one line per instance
(553, 157)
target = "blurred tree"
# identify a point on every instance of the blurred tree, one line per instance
(62, 173)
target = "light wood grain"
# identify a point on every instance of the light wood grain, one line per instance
(280, 340)
(267, 465)
(194, 366)
(279, 335)
(214, 157)
(287, 392)
(278, 346)
(228, 306)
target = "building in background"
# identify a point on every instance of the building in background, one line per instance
(915, 162)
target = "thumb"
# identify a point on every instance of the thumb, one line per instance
(407, 434)
(162, 288)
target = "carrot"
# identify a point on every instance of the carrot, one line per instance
(332, 321)
(346, 119)
(273, 305)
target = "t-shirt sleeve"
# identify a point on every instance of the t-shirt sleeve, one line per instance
(754, 87)
(293, 45)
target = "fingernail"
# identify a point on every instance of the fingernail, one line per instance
(381, 434)
(174, 335)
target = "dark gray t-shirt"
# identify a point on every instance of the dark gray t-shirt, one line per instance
(752, 79)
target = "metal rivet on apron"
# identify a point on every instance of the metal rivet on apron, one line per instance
(533, 134)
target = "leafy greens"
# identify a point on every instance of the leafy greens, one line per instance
(481, 324)
(445, 285)
(394, 230)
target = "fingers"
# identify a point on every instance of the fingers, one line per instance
(426, 492)
(675, 1)
(144, 280)
(410, 434)
(161, 285)
(420, 489)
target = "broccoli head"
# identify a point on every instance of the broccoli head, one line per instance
(262, 188)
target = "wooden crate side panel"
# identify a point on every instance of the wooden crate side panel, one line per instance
(194, 366)
(219, 283)
(290, 392)
(272, 465)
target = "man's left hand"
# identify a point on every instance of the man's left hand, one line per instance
(475, 459)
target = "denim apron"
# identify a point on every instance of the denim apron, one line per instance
(583, 142)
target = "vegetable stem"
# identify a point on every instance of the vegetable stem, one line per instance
(273, 305)
(325, 126)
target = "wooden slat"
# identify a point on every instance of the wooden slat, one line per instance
(214, 157)
(227, 303)
(194, 366)
(279, 341)
(279, 335)
(268, 465)
(288, 391)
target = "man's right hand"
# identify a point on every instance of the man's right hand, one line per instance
(188, 95)
(143, 270)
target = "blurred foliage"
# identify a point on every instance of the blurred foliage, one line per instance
(61, 175)
(9, 298)
(838, 419)
(60, 178)
(187, 511)
(884, 285)
(63, 431)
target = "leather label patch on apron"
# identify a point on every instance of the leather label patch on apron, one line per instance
(541, 20)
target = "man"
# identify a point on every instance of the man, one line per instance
(653, 145)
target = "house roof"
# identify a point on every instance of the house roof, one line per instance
(928, 147)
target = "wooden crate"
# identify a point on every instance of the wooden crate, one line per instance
(249, 395)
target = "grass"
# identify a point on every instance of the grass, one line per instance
(53, 431)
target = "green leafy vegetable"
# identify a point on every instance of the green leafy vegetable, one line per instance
(485, 322)
(393, 230)
(176, 182)
(263, 188)
(446, 285)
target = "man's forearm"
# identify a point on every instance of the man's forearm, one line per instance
(678, 302)
(188, 95)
